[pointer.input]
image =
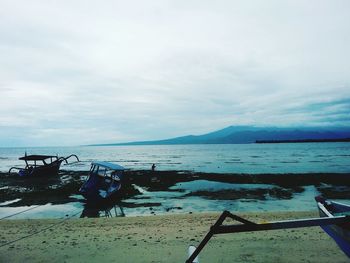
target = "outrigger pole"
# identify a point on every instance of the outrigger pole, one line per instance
(249, 226)
(66, 158)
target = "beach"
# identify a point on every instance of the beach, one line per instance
(164, 208)
(163, 238)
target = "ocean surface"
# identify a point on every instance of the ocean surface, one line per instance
(223, 158)
(280, 158)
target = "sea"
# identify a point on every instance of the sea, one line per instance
(217, 158)
(278, 158)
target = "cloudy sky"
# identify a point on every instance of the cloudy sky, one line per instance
(80, 72)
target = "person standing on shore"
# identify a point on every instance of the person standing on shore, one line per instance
(153, 174)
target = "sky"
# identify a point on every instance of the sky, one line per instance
(84, 72)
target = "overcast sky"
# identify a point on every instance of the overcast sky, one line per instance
(80, 72)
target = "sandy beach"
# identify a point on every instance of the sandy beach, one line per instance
(162, 239)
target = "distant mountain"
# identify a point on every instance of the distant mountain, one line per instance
(251, 134)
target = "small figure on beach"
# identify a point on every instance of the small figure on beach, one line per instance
(154, 177)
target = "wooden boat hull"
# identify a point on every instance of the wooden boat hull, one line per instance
(103, 184)
(48, 165)
(94, 197)
(50, 169)
(92, 192)
(340, 233)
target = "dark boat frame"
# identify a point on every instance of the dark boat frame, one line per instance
(109, 210)
(249, 226)
(340, 233)
(103, 183)
(41, 165)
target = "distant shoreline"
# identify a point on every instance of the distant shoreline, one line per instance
(251, 134)
(209, 143)
(303, 141)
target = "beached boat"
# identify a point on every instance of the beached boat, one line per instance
(335, 220)
(41, 165)
(340, 233)
(103, 183)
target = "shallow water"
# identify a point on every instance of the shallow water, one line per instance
(170, 203)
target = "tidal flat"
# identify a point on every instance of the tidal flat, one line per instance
(145, 192)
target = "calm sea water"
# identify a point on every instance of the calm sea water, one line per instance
(227, 158)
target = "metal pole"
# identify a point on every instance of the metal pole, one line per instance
(208, 236)
(249, 226)
(323, 221)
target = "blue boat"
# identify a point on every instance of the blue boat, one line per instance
(339, 232)
(104, 182)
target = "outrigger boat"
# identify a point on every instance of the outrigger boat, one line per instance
(103, 183)
(340, 233)
(41, 165)
(335, 220)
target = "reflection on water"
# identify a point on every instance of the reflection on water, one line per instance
(115, 210)
(163, 202)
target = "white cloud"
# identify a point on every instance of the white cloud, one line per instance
(78, 72)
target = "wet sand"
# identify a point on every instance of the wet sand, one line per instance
(162, 239)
